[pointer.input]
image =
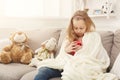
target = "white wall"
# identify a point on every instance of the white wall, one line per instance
(32, 22)
(106, 24)
(102, 23)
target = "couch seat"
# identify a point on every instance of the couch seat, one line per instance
(31, 75)
(13, 71)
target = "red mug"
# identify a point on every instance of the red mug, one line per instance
(78, 43)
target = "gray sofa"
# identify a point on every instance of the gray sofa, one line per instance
(17, 71)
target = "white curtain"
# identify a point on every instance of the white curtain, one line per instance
(78, 5)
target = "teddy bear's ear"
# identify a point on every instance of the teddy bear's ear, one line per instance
(43, 43)
(26, 37)
(12, 35)
(86, 10)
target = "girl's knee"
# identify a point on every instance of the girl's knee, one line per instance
(42, 74)
(43, 69)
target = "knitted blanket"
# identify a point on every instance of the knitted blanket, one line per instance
(89, 63)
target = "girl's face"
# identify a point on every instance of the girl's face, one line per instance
(79, 26)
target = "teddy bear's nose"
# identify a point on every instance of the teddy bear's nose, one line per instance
(19, 33)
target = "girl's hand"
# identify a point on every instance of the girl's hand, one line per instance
(72, 47)
(78, 47)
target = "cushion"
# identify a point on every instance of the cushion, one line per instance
(107, 40)
(13, 71)
(116, 67)
(4, 42)
(116, 46)
(6, 32)
(4, 36)
(36, 37)
(31, 75)
(61, 38)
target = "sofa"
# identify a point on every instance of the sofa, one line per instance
(18, 71)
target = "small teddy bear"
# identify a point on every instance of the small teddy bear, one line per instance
(46, 51)
(18, 51)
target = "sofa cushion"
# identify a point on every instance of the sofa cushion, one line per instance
(116, 67)
(36, 37)
(4, 36)
(4, 42)
(6, 32)
(107, 40)
(31, 75)
(13, 71)
(116, 47)
(61, 38)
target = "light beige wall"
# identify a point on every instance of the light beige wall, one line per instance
(102, 23)
(31, 23)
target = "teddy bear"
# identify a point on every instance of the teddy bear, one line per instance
(46, 51)
(18, 51)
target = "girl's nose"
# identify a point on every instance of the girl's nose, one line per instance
(78, 30)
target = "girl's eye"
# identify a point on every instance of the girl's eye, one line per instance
(81, 28)
(75, 28)
(78, 18)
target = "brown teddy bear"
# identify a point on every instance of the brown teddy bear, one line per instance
(18, 51)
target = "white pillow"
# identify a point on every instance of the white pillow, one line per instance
(4, 42)
(116, 67)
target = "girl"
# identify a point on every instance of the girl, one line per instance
(81, 45)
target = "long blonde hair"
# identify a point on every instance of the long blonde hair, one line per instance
(88, 22)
